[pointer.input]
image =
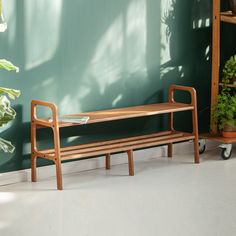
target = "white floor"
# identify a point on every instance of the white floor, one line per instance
(165, 197)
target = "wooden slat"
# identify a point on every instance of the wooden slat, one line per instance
(120, 144)
(215, 57)
(228, 17)
(117, 145)
(126, 148)
(114, 141)
(44, 155)
(130, 112)
(42, 123)
(217, 138)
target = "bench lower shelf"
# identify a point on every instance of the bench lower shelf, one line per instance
(117, 145)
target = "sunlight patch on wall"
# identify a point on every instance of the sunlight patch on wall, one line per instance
(200, 14)
(73, 138)
(67, 105)
(166, 9)
(71, 104)
(166, 70)
(116, 100)
(9, 10)
(121, 51)
(42, 26)
(26, 148)
(136, 35)
(44, 85)
(207, 53)
(106, 64)
(181, 71)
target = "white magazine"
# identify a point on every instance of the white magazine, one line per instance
(73, 119)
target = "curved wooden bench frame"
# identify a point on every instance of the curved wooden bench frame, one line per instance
(59, 154)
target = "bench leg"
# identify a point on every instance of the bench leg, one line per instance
(131, 162)
(170, 150)
(108, 161)
(195, 132)
(171, 126)
(59, 175)
(33, 168)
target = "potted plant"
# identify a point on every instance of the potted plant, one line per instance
(224, 113)
(7, 113)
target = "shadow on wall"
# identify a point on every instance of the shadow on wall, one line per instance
(98, 55)
(188, 34)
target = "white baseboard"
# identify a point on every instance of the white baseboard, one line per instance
(94, 163)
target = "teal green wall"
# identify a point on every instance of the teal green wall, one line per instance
(98, 54)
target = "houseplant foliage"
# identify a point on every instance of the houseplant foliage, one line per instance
(224, 112)
(229, 71)
(7, 113)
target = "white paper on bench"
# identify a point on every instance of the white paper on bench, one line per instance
(73, 119)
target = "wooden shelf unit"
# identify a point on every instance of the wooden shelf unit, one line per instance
(59, 154)
(218, 138)
(228, 17)
(218, 17)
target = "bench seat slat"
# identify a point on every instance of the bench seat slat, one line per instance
(128, 112)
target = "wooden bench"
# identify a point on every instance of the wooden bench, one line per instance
(59, 154)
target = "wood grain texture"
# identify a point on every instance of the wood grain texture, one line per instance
(215, 57)
(123, 113)
(217, 138)
(108, 161)
(130, 162)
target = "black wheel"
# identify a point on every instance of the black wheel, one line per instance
(202, 148)
(225, 154)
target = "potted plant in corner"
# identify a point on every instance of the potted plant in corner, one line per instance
(7, 113)
(224, 112)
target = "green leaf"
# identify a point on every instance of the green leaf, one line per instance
(6, 146)
(12, 93)
(7, 113)
(7, 65)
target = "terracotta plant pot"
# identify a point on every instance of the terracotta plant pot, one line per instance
(232, 4)
(229, 132)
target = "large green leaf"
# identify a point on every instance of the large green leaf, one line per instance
(6, 146)
(7, 113)
(12, 93)
(4, 64)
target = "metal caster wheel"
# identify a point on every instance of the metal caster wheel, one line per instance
(202, 146)
(226, 151)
